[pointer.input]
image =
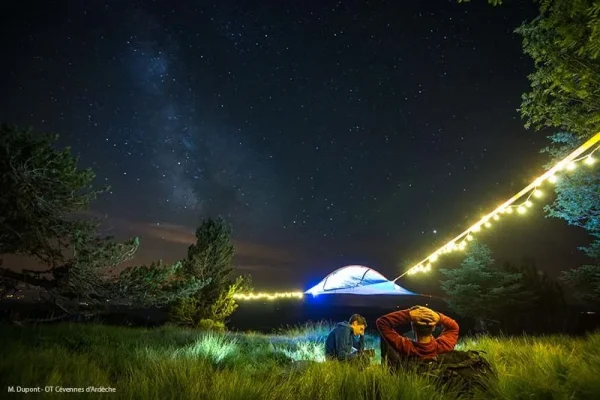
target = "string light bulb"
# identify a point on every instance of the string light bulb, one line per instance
(569, 162)
(268, 296)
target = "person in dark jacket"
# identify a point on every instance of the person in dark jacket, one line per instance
(346, 341)
(423, 321)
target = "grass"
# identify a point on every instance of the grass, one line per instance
(170, 362)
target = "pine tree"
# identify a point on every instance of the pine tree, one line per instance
(210, 259)
(477, 289)
(42, 188)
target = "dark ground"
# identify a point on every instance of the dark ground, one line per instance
(269, 316)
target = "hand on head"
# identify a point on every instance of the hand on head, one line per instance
(423, 315)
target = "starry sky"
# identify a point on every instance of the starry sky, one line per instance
(327, 133)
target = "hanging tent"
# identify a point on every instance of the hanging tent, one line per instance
(359, 280)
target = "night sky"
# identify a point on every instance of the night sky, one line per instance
(326, 133)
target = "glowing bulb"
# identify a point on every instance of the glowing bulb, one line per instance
(268, 296)
(469, 237)
(487, 224)
(427, 268)
(496, 217)
(509, 210)
(589, 160)
(538, 193)
(571, 166)
(433, 257)
(560, 165)
(552, 179)
(521, 210)
(528, 203)
(476, 228)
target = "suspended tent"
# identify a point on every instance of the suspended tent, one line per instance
(359, 280)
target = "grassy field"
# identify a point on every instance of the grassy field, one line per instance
(174, 363)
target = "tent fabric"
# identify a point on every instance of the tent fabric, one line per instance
(359, 280)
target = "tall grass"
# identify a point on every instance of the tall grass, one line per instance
(169, 362)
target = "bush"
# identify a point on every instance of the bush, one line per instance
(210, 325)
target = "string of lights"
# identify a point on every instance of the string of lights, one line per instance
(460, 242)
(268, 296)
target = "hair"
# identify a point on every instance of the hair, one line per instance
(423, 329)
(358, 319)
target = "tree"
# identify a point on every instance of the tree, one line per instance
(210, 259)
(564, 43)
(41, 188)
(585, 282)
(578, 193)
(477, 289)
(578, 203)
(86, 283)
(547, 302)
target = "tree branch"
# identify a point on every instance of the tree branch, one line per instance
(27, 279)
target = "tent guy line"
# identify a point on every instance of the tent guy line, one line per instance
(386, 287)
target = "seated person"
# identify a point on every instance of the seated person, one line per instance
(346, 342)
(423, 322)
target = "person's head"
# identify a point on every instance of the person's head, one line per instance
(422, 323)
(423, 330)
(358, 323)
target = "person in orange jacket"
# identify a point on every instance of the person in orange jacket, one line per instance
(423, 321)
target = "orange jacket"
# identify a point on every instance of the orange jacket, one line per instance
(444, 343)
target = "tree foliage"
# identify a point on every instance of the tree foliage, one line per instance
(210, 259)
(564, 43)
(477, 289)
(547, 301)
(585, 282)
(578, 193)
(41, 188)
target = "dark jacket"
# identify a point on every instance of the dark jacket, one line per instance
(340, 343)
(444, 343)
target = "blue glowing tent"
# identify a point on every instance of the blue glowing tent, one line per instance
(359, 280)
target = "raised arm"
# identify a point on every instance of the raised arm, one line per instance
(387, 323)
(449, 336)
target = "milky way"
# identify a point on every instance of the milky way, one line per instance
(342, 132)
